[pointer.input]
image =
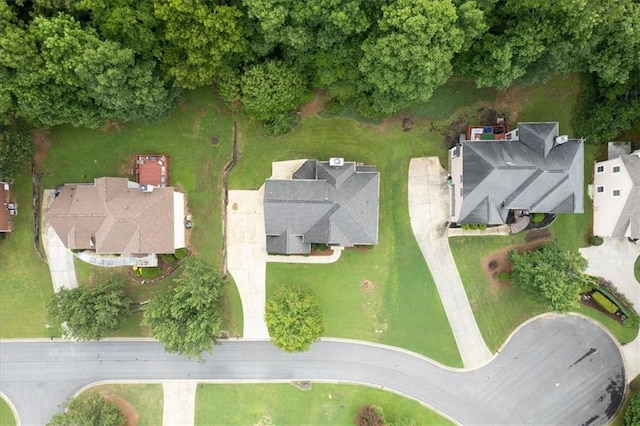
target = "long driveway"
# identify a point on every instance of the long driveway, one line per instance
(428, 211)
(555, 370)
(59, 258)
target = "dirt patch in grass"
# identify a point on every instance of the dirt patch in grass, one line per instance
(511, 100)
(130, 414)
(42, 143)
(496, 262)
(112, 126)
(366, 285)
(538, 234)
(311, 109)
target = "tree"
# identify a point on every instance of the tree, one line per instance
(632, 413)
(16, 148)
(88, 410)
(410, 53)
(91, 312)
(550, 274)
(200, 39)
(370, 415)
(187, 318)
(294, 319)
(271, 89)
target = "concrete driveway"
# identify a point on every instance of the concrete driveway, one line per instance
(59, 258)
(554, 370)
(614, 260)
(247, 257)
(428, 212)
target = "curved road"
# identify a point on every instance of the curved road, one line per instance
(554, 370)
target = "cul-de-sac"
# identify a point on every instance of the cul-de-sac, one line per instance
(319, 212)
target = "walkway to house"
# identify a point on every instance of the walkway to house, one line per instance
(59, 258)
(320, 259)
(428, 212)
(179, 402)
(247, 257)
(108, 261)
(614, 260)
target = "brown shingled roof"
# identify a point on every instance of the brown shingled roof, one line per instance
(113, 215)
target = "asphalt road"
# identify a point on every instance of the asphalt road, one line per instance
(555, 370)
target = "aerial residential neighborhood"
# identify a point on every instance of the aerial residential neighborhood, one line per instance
(405, 212)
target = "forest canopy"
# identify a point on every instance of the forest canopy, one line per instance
(87, 62)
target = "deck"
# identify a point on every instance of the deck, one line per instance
(152, 170)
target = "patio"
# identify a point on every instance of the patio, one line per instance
(152, 170)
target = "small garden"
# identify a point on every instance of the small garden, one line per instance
(605, 297)
(167, 263)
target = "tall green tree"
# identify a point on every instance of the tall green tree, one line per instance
(410, 53)
(551, 275)
(200, 39)
(632, 413)
(91, 312)
(187, 318)
(88, 410)
(294, 319)
(16, 149)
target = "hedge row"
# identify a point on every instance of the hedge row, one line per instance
(604, 301)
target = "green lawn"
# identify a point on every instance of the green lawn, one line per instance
(324, 404)
(25, 284)
(619, 419)
(6, 415)
(195, 168)
(403, 307)
(636, 269)
(143, 401)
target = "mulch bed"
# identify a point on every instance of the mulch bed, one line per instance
(167, 269)
(586, 300)
(537, 234)
(548, 220)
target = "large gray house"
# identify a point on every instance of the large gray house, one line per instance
(531, 169)
(324, 202)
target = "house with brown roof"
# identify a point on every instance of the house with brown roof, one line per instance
(616, 193)
(8, 208)
(117, 216)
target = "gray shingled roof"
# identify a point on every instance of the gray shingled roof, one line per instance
(322, 204)
(532, 173)
(630, 216)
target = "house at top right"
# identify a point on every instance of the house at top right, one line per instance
(616, 193)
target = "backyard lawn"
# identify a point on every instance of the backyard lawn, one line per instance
(140, 403)
(6, 415)
(323, 404)
(25, 284)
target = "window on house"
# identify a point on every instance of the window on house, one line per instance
(615, 169)
(600, 189)
(600, 169)
(615, 193)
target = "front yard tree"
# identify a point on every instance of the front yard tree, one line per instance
(294, 319)
(370, 415)
(187, 318)
(632, 413)
(88, 410)
(91, 312)
(550, 274)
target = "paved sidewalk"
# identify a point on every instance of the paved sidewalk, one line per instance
(337, 251)
(179, 403)
(60, 259)
(247, 257)
(428, 212)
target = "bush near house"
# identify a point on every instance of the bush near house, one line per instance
(181, 253)
(594, 240)
(474, 226)
(604, 302)
(169, 259)
(537, 217)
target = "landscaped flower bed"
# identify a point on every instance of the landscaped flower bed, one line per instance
(604, 302)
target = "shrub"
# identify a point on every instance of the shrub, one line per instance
(474, 226)
(280, 124)
(632, 413)
(181, 253)
(504, 276)
(151, 272)
(370, 415)
(169, 259)
(537, 217)
(604, 301)
(609, 287)
(594, 240)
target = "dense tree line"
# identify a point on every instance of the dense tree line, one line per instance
(85, 62)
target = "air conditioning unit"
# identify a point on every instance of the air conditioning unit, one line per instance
(146, 188)
(336, 162)
(561, 139)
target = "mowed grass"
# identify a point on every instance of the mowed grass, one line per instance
(140, 403)
(6, 415)
(633, 389)
(402, 306)
(80, 155)
(636, 269)
(323, 404)
(25, 284)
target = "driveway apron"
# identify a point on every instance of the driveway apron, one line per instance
(247, 257)
(428, 212)
(178, 408)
